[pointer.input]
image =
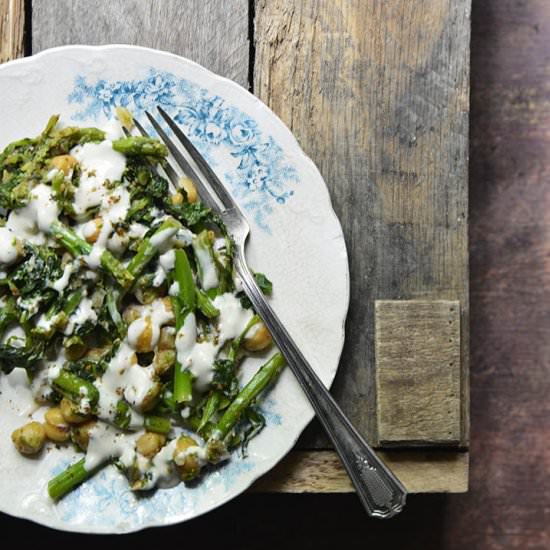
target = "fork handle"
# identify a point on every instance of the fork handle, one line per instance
(381, 493)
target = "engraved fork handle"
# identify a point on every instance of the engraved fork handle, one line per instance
(380, 491)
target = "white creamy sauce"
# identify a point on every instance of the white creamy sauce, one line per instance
(183, 237)
(84, 312)
(137, 230)
(61, 284)
(162, 237)
(107, 442)
(165, 265)
(115, 206)
(10, 246)
(29, 304)
(174, 289)
(233, 317)
(199, 357)
(154, 315)
(33, 221)
(124, 377)
(44, 323)
(118, 243)
(207, 268)
(160, 469)
(52, 174)
(88, 229)
(99, 163)
(195, 450)
(93, 259)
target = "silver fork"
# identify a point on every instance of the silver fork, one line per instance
(380, 491)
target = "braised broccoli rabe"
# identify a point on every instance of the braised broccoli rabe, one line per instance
(119, 300)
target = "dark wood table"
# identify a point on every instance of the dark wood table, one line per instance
(508, 505)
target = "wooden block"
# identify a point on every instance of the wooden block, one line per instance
(377, 94)
(322, 472)
(418, 372)
(210, 32)
(12, 23)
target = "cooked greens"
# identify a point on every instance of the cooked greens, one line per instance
(119, 300)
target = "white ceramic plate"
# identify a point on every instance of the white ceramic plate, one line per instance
(296, 240)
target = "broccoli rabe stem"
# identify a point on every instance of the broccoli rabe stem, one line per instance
(68, 479)
(149, 247)
(185, 303)
(8, 314)
(205, 304)
(140, 146)
(147, 250)
(246, 396)
(210, 408)
(79, 247)
(204, 253)
(157, 424)
(75, 388)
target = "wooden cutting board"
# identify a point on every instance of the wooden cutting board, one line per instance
(377, 93)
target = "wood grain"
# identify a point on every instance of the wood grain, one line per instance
(213, 33)
(377, 94)
(417, 355)
(322, 472)
(12, 23)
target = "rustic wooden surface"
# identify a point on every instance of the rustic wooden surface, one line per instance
(508, 505)
(377, 94)
(213, 33)
(12, 23)
(417, 372)
(322, 472)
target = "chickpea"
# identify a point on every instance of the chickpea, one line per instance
(92, 230)
(29, 439)
(190, 189)
(144, 342)
(131, 313)
(167, 302)
(56, 426)
(187, 463)
(150, 443)
(216, 451)
(81, 434)
(167, 339)
(257, 338)
(71, 412)
(177, 198)
(95, 354)
(152, 397)
(164, 360)
(147, 295)
(65, 163)
(75, 348)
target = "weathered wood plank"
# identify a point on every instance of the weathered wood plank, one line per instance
(12, 24)
(322, 472)
(210, 32)
(377, 94)
(417, 356)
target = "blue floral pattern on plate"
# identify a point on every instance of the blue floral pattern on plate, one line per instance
(261, 177)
